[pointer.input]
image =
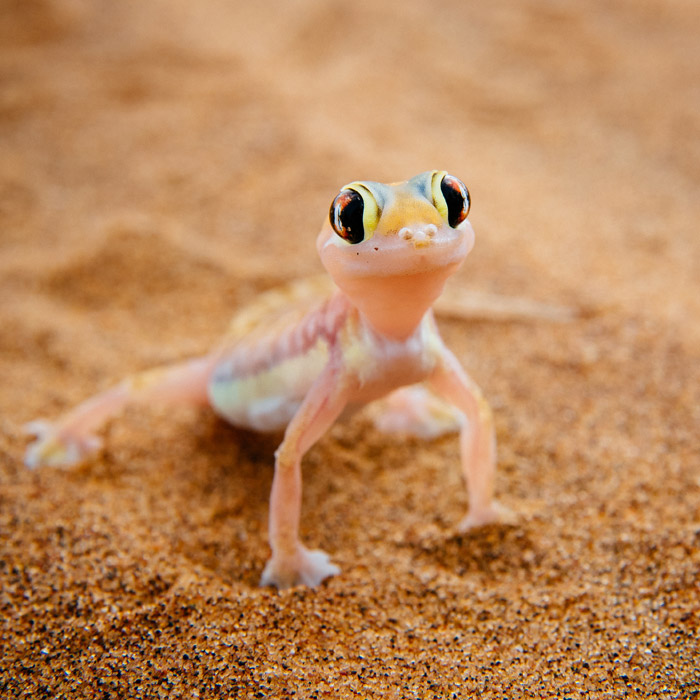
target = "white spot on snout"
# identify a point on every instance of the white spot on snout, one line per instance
(420, 235)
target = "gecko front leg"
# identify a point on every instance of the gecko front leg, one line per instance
(477, 439)
(291, 563)
(70, 439)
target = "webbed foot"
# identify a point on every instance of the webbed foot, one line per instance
(55, 448)
(493, 513)
(304, 568)
(413, 410)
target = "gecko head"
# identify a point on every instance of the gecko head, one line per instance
(392, 247)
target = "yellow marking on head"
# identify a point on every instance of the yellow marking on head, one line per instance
(438, 197)
(408, 209)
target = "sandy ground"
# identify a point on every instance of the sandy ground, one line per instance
(163, 162)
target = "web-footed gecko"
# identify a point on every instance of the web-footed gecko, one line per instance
(389, 249)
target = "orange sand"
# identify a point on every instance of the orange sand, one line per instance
(163, 162)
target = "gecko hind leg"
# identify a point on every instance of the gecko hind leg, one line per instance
(68, 440)
(415, 410)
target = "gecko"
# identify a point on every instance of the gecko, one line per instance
(297, 361)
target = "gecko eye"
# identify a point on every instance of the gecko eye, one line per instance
(451, 198)
(354, 215)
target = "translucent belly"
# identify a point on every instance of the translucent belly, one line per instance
(267, 399)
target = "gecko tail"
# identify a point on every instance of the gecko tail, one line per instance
(70, 439)
(483, 306)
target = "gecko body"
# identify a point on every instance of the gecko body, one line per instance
(284, 364)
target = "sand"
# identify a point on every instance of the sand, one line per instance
(162, 163)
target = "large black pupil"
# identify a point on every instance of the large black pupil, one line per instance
(454, 200)
(351, 218)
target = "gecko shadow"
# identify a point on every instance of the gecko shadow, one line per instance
(494, 550)
(224, 488)
(223, 507)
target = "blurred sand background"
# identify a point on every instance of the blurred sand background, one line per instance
(163, 162)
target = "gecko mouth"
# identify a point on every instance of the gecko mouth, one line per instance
(412, 250)
(407, 253)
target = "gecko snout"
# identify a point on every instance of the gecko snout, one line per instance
(419, 235)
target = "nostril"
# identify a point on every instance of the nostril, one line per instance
(430, 230)
(406, 234)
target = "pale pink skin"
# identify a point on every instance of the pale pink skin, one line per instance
(375, 334)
